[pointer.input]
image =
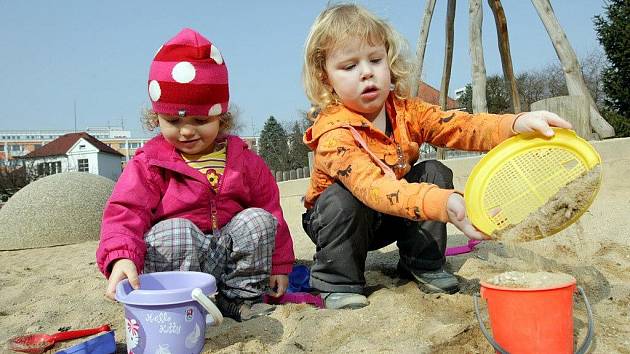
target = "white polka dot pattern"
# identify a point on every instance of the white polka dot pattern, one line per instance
(154, 90)
(183, 72)
(215, 110)
(216, 55)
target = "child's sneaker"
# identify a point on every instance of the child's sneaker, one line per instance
(431, 281)
(241, 309)
(344, 300)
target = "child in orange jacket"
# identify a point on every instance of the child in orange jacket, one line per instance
(366, 190)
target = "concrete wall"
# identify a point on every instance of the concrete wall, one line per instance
(109, 165)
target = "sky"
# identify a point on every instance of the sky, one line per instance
(95, 55)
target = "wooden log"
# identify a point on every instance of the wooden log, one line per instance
(570, 66)
(421, 46)
(311, 161)
(504, 50)
(448, 61)
(448, 53)
(475, 14)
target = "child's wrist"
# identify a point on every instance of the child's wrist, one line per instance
(516, 118)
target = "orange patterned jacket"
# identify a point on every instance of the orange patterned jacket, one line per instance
(349, 149)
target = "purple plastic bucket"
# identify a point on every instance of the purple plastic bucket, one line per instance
(168, 313)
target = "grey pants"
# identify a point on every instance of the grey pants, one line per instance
(239, 257)
(344, 230)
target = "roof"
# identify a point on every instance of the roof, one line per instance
(431, 95)
(62, 145)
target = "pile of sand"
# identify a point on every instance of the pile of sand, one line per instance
(60, 209)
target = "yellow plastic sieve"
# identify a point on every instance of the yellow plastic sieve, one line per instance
(519, 176)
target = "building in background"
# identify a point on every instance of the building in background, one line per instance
(74, 152)
(18, 143)
(430, 94)
(252, 142)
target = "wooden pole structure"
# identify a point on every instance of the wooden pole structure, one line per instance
(475, 14)
(448, 53)
(568, 59)
(448, 61)
(504, 49)
(416, 78)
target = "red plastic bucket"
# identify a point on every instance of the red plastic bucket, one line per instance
(532, 320)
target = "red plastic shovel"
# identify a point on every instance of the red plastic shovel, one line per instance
(39, 342)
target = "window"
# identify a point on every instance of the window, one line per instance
(84, 166)
(48, 168)
(55, 167)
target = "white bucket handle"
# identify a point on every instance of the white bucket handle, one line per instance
(206, 303)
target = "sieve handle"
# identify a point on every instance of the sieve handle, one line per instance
(206, 303)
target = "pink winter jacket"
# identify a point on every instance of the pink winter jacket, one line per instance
(157, 185)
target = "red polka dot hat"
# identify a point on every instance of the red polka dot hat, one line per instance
(188, 77)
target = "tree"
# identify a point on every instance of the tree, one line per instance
(535, 85)
(274, 148)
(614, 35)
(14, 175)
(298, 151)
(498, 98)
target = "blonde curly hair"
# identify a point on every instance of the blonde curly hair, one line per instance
(227, 120)
(337, 25)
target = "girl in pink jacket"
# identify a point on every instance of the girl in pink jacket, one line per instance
(195, 198)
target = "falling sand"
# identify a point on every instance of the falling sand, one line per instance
(562, 207)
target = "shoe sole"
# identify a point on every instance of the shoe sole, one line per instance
(424, 286)
(348, 305)
(351, 307)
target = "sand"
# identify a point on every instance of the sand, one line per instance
(561, 208)
(47, 288)
(530, 280)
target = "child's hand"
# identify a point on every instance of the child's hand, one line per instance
(539, 121)
(280, 282)
(456, 209)
(122, 269)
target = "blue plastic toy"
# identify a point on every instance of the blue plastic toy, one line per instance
(101, 344)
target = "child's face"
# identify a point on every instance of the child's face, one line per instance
(359, 74)
(190, 135)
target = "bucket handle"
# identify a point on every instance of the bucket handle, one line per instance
(581, 350)
(206, 303)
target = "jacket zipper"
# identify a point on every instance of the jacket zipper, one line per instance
(213, 204)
